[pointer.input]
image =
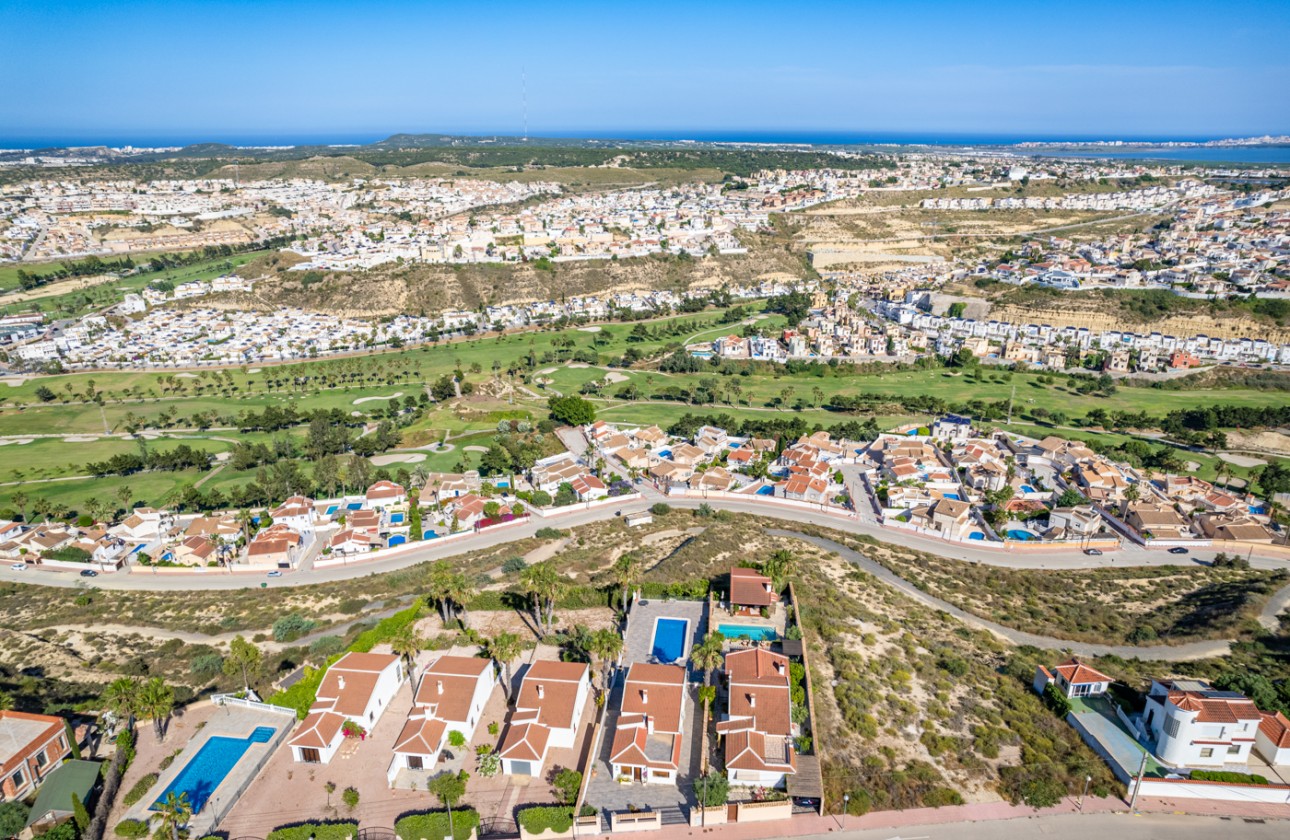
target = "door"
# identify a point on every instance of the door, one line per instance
(521, 768)
(310, 755)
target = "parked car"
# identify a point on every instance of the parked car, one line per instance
(89, 573)
(1178, 549)
(1093, 552)
(19, 567)
(275, 573)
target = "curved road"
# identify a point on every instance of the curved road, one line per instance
(1129, 555)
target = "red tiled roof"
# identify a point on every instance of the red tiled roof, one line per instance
(1277, 729)
(1077, 673)
(749, 588)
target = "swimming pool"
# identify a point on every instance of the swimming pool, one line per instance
(396, 518)
(669, 639)
(206, 770)
(748, 631)
(503, 484)
(1026, 488)
(429, 535)
(666, 453)
(954, 496)
(354, 506)
(332, 509)
(976, 535)
(768, 490)
(1018, 534)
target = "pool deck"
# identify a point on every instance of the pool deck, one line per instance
(638, 645)
(229, 721)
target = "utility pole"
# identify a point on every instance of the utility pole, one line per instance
(1142, 771)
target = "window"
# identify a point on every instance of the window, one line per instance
(17, 780)
(1207, 752)
(1234, 750)
(1171, 727)
(41, 759)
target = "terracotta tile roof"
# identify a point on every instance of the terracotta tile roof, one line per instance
(21, 733)
(318, 730)
(656, 691)
(448, 686)
(382, 490)
(347, 686)
(635, 746)
(753, 750)
(525, 742)
(551, 689)
(750, 588)
(1277, 729)
(1077, 673)
(1215, 709)
(421, 736)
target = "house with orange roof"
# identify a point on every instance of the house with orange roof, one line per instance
(31, 746)
(548, 712)
(277, 546)
(1073, 679)
(1195, 724)
(649, 731)
(758, 726)
(450, 698)
(1272, 741)
(358, 687)
(386, 494)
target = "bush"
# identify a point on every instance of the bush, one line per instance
(660, 509)
(566, 783)
(548, 533)
(140, 788)
(515, 565)
(456, 739)
(556, 818)
(1229, 777)
(712, 790)
(1056, 701)
(350, 797)
(319, 831)
(132, 829)
(433, 825)
(291, 627)
(125, 746)
(541, 498)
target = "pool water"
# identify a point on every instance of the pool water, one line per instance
(396, 518)
(1023, 536)
(669, 639)
(354, 506)
(976, 535)
(429, 535)
(768, 490)
(503, 484)
(954, 496)
(206, 770)
(332, 509)
(748, 631)
(1026, 488)
(666, 453)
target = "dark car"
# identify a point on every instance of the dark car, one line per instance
(89, 573)
(1178, 549)
(1093, 552)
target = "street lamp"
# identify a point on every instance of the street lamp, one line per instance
(1087, 780)
(846, 804)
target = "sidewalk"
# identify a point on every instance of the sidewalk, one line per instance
(807, 826)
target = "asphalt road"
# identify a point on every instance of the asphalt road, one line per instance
(1081, 827)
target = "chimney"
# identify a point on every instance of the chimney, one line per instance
(644, 695)
(341, 681)
(541, 691)
(779, 668)
(752, 701)
(438, 686)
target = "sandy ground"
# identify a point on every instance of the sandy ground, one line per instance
(13, 381)
(615, 376)
(186, 376)
(1268, 441)
(80, 439)
(475, 448)
(589, 329)
(547, 370)
(393, 396)
(1241, 460)
(17, 441)
(398, 458)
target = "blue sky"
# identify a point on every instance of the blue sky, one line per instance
(227, 69)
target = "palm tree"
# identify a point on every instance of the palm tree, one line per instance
(625, 571)
(157, 701)
(544, 583)
(174, 812)
(708, 656)
(406, 644)
(605, 645)
(440, 589)
(6, 701)
(503, 648)
(460, 592)
(121, 698)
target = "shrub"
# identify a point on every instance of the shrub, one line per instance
(456, 739)
(125, 747)
(319, 831)
(541, 498)
(433, 825)
(1056, 701)
(566, 783)
(141, 787)
(515, 564)
(556, 818)
(350, 797)
(712, 790)
(291, 627)
(326, 646)
(660, 509)
(1229, 777)
(489, 764)
(548, 533)
(132, 829)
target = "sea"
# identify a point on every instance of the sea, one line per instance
(1145, 148)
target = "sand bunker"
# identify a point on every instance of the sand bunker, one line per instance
(1241, 460)
(80, 439)
(547, 370)
(588, 329)
(393, 396)
(475, 448)
(398, 458)
(187, 376)
(16, 441)
(615, 376)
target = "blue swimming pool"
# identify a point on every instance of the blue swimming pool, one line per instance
(1257, 509)
(332, 509)
(748, 631)
(354, 506)
(206, 770)
(1023, 536)
(734, 444)
(669, 639)
(954, 496)
(503, 484)
(976, 535)
(396, 519)
(666, 453)
(430, 535)
(1026, 488)
(768, 490)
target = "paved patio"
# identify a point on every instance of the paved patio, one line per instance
(638, 643)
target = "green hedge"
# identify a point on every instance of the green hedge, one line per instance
(433, 825)
(131, 829)
(141, 787)
(1229, 777)
(320, 831)
(558, 818)
(385, 629)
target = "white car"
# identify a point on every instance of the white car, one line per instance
(275, 573)
(19, 567)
